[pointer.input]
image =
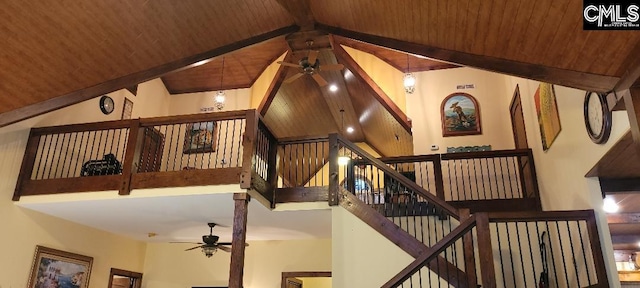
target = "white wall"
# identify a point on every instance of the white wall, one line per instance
(169, 266)
(561, 169)
(423, 107)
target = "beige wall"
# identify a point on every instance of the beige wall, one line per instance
(152, 100)
(190, 103)
(561, 169)
(23, 229)
(316, 282)
(260, 86)
(169, 266)
(423, 107)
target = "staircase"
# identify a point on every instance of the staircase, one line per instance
(454, 248)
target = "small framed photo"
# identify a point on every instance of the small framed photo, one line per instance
(200, 137)
(127, 108)
(56, 268)
(460, 115)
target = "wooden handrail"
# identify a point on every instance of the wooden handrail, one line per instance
(396, 175)
(95, 126)
(202, 117)
(527, 216)
(486, 154)
(298, 140)
(432, 252)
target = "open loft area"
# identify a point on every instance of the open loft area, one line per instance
(268, 83)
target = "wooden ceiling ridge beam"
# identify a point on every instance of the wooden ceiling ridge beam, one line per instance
(78, 96)
(301, 12)
(570, 78)
(277, 81)
(346, 59)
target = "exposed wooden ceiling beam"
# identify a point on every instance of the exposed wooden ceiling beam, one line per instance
(632, 104)
(631, 73)
(62, 101)
(623, 218)
(579, 80)
(344, 58)
(281, 74)
(617, 239)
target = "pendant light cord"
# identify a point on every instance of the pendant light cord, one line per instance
(222, 73)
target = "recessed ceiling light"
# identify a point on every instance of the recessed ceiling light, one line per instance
(350, 129)
(333, 88)
(610, 205)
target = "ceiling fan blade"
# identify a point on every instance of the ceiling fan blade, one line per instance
(224, 248)
(319, 79)
(331, 67)
(288, 64)
(224, 243)
(313, 55)
(293, 78)
(194, 248)
(198, 243)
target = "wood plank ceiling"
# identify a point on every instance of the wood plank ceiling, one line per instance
(62, 53)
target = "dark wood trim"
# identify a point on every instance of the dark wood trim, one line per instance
(305, 274)
(469, 251)
(413, 186)
(498, 205)
(596, 249)
(74, 97)
(272, 91)
(575, 79)
(134, 146)
(190, 118)
(239, 239)
(305, 139)
(344, 58)
(302, 194)
(94, 126)
(186, 178)
(28, 160)
(632, 104)
(207, 89)
(125, 273)
(432, 252)
(395, 234)
(485, 251)
(623, 218)
(264, 188)
(486, 154)
(249, 143)
(133, 89)
(619, 185)
(439, 178)
(334, 170)
(413, 158)
(526, 216)
(71, 185)
(615, 100)
(625, 239)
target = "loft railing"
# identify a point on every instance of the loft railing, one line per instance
(532, 249)
(476, 180)
(173, 151)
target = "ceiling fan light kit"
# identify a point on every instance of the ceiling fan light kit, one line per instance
(310, 65)
(210, 244)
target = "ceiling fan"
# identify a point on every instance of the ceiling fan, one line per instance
(310, 65)
(210, 244)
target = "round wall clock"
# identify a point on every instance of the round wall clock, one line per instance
(597, 117)
(106, 104)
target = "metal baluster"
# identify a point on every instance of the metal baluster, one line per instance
(504, 280)
(584, 254)
(533, 265)
(564, 262)
(471, 196)
(575, 264)
(553, 261)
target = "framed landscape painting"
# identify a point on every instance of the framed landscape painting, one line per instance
(200, 137)
(56, 268)
(460, 115)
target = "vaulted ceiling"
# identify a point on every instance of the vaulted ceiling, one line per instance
(58, 54)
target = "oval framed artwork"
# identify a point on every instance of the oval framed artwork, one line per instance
(460, 115)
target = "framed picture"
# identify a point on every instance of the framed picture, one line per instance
(460, 115)
(127, 108)
(200, 137)
(548, 117)
(55, 268)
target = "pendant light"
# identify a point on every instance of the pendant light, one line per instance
(409, 80)
(343, 159)
(218, 100)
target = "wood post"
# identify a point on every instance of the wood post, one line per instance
(469, 255)
(134, 147)
(485, 251)
(28, 161)
(236, 272)
(249, 148)
(334, 182)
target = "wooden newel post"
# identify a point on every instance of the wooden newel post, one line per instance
(236, 272)
(334, 182)
(485, 252)
(469, 255)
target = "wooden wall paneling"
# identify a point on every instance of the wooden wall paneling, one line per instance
(621, 161)
(49, 102)
(300, 11)
(274, 86)
(575, 79)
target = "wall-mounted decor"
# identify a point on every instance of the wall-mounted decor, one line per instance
(468, 149)
(55, 268)
(200, 137)
(127, 108)
(548, 117)
(460, 115)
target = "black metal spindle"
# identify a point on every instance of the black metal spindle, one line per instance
(553, 261)
(575, 264)
(584, 255)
